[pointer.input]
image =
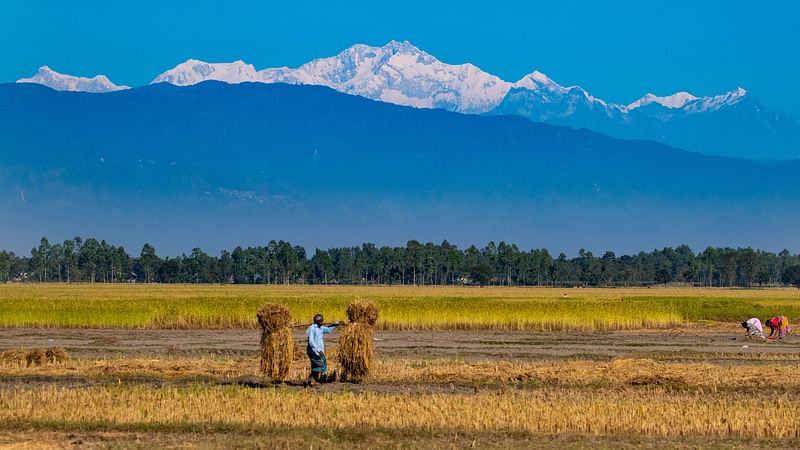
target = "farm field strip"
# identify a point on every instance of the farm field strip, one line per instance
(619, 372)
(548, 410)
(363, 438)
(402, 308)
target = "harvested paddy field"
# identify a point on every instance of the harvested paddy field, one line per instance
(696, 385)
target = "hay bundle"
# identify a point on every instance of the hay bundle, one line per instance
(277, 345)
(34, 357)
(363, 311)
(17, 357)
(55, 355)
(355, 352)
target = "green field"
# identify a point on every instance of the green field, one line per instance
(216, 306)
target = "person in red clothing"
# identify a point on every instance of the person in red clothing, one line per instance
(778, 325)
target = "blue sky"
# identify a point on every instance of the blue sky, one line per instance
(618, 50)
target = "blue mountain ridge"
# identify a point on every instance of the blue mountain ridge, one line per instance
(217, 165)
(747, 129)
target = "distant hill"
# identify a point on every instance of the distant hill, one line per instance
(731, 124)
(217, 165)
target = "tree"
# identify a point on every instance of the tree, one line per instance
(748, 265)
(608, 267)
(791, 276)
(663, 275)
(728, 267)
(5, 266)
(40, 259)
(89, 257)
(148, 261)
(68, 253)
(481, 273)
(225, 267)
(428, 263)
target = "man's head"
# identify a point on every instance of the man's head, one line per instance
(744, 324)
(318, 319)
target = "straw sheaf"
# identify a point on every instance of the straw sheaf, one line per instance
(273, 317)
(363, 311)
(277, 344)
(355, 352)
(34, 357)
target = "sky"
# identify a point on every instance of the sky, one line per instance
(617, 50)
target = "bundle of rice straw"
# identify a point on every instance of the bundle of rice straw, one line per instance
(34, 357)
(277, 345)
(355, 351)
(363, 311)
(55, 355)
(17, 357)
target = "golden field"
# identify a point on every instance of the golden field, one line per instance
(618, 398)
(546, 410)
(774, 374)
(402, 307)
(574, 368)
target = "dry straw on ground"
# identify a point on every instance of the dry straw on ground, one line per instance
(355, 350)
(34, 357)
(277, 345)
(624, 412)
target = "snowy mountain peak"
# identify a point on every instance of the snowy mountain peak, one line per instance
(550, 92)
(404, 47)
(537, 80)
(194, 71)
(401, 73)
(397, 72)
(704, 104)
(62, 82)
(676, 100)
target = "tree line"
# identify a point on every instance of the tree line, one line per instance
(502, 264)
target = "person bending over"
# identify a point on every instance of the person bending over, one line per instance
(753, 328)
(778, 325)
(316, 348)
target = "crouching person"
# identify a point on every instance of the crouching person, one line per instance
(753, 328)
(316, 349)
(778, 325)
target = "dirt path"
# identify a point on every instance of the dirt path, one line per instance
(94, 343)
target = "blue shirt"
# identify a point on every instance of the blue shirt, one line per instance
(314, 333)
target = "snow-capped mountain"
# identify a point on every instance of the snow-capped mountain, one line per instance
(706, 104)
(61, 82)
(397, 73)
(194, 71)
(676, 100)
(403, 74)
(400, 73)
(550, 90)
(730, 124)
(541, 99)
(549, 99)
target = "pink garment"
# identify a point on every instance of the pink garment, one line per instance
(756, 323)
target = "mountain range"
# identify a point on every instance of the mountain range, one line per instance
(730, 124)
(221, 164)
(61, 82)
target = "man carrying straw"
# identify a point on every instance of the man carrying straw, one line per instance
(316, 348)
